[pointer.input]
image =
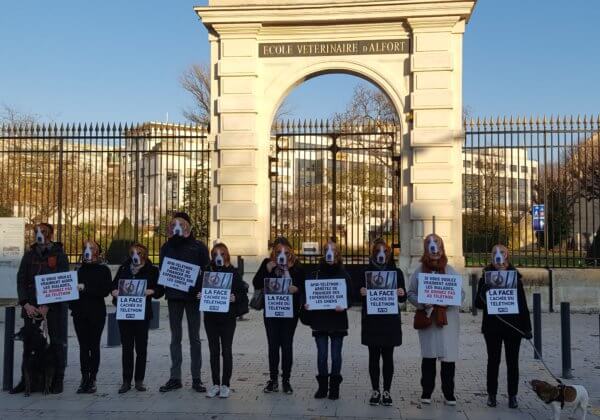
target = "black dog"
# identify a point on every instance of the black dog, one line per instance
(38, 359)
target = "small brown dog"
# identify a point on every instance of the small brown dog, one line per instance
(561, 395)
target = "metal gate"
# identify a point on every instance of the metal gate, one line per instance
(335, 180)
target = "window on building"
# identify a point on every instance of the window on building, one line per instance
(524, 169)
(466, 163)
(309, 172)
(172, 190)
(513, 168)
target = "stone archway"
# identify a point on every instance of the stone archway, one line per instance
(411, 49)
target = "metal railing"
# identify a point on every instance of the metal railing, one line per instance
(113, 183)
(534, 185)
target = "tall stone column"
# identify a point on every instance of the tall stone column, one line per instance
(436, 137)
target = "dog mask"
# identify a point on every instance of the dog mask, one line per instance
(138, 255)
(331, 255)
(434, 255)
(220, 255)
(282, 256)
(179, 228)
(500, 257)
(43, 234)
(91, 251)
(380, 252)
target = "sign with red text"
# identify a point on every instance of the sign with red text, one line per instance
(56, 287)
(326, 294)
(440, 289)
(382, 292)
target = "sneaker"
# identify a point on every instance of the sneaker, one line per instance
(198, 386)
(386, 398)
(213, 391)
(171, 385)
(451, 401)
(425, 399)
(224, 392)
(272, 386)
(375, 397)
(287, 388)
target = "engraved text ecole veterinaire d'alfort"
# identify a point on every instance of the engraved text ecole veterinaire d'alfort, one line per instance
(314, 49)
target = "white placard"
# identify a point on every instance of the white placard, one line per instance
(506, 279)
(440, 289)
(56, 287)
(178, 275)
(382, 292)
(131, 301)
(216, 291)
(279, 302)
(326, 294)
(502, 301)
(12, 248)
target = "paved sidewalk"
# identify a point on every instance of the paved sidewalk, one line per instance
(250, 373)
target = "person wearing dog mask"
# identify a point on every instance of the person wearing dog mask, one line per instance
(89, 312)
(183, 246)
(280, 331)
(439, 341)
(44, 257)
(381, 333)
(134, 333)
(329, 326)
(507, 329)
(220, 327)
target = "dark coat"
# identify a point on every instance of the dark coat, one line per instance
(382, 330)
(149, 273)
(329, 322)
(97, 281)
(491, 324)
(188, 250)
(36, 262)
(238, 288)
(298, 278)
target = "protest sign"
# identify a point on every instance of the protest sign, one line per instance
(278, 299)
(382, 292)
(131, 301)
(326, 294)
(440, 289)
(502, 301)
(506, 279)
(56, 287)
(216, 291)
(178, 274)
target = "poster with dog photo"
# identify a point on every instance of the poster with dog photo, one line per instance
(506, 279)
(278, 299)
(501, 298)
(382, 292)
(131, 301)
(216, 292)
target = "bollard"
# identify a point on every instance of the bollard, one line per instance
(537, 324)
(473, 294)
(113, 338)
(240, 265)
(155, 321)
(550, 290)
(9, 348)
(565, 335)
(64, 319)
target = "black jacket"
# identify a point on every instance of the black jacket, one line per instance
(329, 322)
(36, 262)
(490, 323)
(382, 330)
(97, 281)
(238, 288)
(149, 273)
(188, 250)
(298, 278)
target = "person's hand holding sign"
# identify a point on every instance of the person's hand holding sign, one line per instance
(401, 292)
(199, 295)
(30, 310)
(339, 309)
(306, 306)
(293, 289)
(232, 298)
(149, 292)
(43, 310)
(80, 287)
(271, 265)
(115, 293)
(363, 291)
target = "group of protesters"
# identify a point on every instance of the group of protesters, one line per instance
(438, 325)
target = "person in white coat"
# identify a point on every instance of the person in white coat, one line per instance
(438, 325)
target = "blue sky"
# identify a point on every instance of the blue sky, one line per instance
(114, 60)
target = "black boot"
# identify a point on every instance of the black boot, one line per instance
(512, 402)
(84, 384)
(57, 384)
(334, 387)
(19, 388)
(323, 381)
(491, 402)
(91, 389)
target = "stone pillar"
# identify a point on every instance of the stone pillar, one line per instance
(436, 137)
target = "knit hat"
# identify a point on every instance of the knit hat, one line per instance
(182, 215)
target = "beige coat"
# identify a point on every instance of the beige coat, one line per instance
(438, 343)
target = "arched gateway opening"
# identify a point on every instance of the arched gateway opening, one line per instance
(410, 49)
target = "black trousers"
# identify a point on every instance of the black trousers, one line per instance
(428, 373)
(512, 345)
(220, 339)
(134, 335)
(89, 333)
(280, 337)
(386, 354)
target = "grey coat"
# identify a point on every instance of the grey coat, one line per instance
(438, 343)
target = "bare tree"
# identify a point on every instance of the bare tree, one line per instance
(12, 116)
(368, 104)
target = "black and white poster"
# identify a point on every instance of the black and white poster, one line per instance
(131, 301)
(382, 292)
(278, 299)
(216, 292)
(326, 294)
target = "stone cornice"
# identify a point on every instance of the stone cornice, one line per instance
(377, 11)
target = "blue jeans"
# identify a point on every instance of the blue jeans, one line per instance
(336, 354)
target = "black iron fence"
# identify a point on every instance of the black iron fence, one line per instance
(335, 180)
(115, 184)
(533, 184)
